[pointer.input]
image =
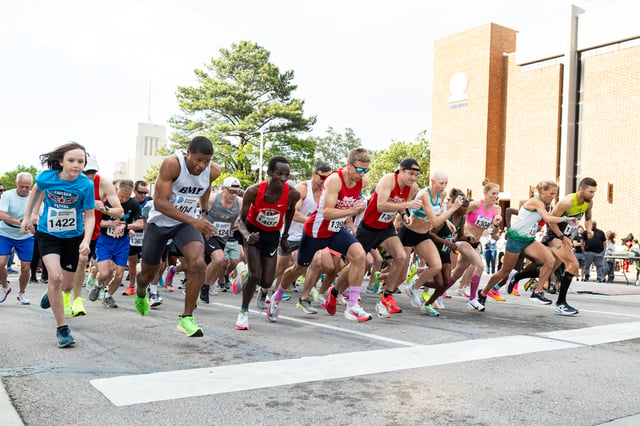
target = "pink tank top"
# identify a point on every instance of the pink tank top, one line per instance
(481, 218)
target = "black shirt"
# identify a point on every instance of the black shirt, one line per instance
(595, 244)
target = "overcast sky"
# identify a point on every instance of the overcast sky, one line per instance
(81, 70)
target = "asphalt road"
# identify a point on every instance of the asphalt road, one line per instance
(516, 363)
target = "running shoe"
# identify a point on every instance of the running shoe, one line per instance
(376, 281)
(528, 284)
(565, 309)
(273, 312)
(130, 291)
(155, 299)
(243, 321)
(33, 280)
(66, 302)
(285, 297)
(4, 292)
(539, 297)
(332, 302)
(65, 338)
(342, 299)
(412, 273)
(142, 305)
(320, 299)
(305, 306)
(171, 272)
(188, 326)
(11, 271)
(511, 281)
(462, 292)
(94, 293)
(495, 295)
(381, 310)
(91, 282)
(439, 303)
(161, 281)
(77, 308)
(425, 296)
(237, 286)
(204, 293)
(474, 305)
(552, 287)
(445, 296)
(109, 302)
(429, 310)
(261, 301)
(515, 291)
(482, 299)
(22, 299)
(414, 295)
(44, 301)
(356, 313)
(169, 288)
(390, 303)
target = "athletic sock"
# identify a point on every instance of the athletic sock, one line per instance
(277, 296)
(564, 287)
(354, 295)
(388, 293)
(532, 273)
(475, 283)
(153, 288)
(334, 291)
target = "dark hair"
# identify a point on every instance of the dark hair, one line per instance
(455, 193)
(201, 145)
(139, 183)
(321, 166)
(53, 158)
(275, 160)
(587, 182)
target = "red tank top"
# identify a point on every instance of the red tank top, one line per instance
(268, 216)
(317, 226)
(98, 215)
(381, 220)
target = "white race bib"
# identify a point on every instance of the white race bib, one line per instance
(224, 229)
(571, 229)
(533, 231)
(336, 224)
(60, 220)
(483, 222)
(387, 217)
(268, 221)
(186, 205)
(136, 241)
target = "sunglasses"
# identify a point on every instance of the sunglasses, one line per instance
(233, 191)
(142, 192)
(1, 190)
(364, 170)
(321, 176)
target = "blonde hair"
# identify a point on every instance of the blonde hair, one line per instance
(488, 186)
(359, 154)
(545, 185)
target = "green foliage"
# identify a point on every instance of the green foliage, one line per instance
(239, 95)
(333, 148)
(387, 160)
(152, 173)
(9, 178)
(299, 152)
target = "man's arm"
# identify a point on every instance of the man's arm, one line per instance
(214, 172)
(302, 190)
(384, 188)
(249, 197)
(294, 196)
(332, 187)
(108, 193)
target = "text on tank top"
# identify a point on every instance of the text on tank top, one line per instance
(268, 216)
(382, 220)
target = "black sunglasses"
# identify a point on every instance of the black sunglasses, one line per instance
(321, 176)
(233, 191)
(142, 192)
(364, 170)
(1, 190)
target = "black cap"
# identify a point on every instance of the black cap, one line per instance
(410, 164)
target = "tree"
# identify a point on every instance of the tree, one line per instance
(9, 178)
(387, 160)
(239, 95)
(333, 148)
(300, 153)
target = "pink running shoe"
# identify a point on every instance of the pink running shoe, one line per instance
(168, 281)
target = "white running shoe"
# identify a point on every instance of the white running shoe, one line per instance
(382, 310)
(243, 321)
(23, 299)
(474, 305)
(356, 313)
(414, 295)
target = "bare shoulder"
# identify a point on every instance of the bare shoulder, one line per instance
(214, 172)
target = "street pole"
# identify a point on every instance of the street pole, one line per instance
(261, 154)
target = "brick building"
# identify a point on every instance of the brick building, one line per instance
(557, 103)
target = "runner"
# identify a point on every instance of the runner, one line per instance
(64, 229)
(184, 179)
(267, 207)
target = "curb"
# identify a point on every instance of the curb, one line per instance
(8, 414)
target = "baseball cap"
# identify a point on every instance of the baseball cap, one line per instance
(410, 164)
(230, 181)
(92, 164)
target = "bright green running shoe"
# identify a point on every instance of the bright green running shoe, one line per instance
(187, 325)
(376, 281)
(429, 310)
(142, 305)
(412, 273)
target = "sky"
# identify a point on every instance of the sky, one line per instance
(85, 70)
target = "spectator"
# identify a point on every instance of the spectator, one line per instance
(578, 247)
(490, 254)
(610, 264)
(594, 251)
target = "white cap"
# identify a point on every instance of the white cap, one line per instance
(230, 181)
(92, 164)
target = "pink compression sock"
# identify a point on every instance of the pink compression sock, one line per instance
(475, 283)
(277, 296)
(354, 295)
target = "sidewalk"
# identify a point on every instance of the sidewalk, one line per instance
(8, 414)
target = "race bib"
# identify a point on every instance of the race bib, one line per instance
(387, 217)
(136, 241)
(483, 222)
(571, 229)
(268, 221)
(533, 231)
(336, 224)
(186, 205)
(111, 231)
(436, 209)
(224, 229)
(60, 220)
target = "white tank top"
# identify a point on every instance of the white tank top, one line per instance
(307, 207)
(186, 191)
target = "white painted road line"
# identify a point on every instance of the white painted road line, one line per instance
(329, 327)
(137, 389)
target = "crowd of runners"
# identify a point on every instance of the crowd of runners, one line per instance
(88, 230)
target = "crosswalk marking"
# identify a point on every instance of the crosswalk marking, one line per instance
(143, 388)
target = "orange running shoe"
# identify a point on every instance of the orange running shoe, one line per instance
(495, 295)
(515, 291)
(130, 291)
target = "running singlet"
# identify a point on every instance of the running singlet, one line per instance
(382, 220)
(319, 227)
(525, 227)
(268, 216)
(132, 213)
(186, 191)
(222, 217)
(437, 208)
(309, 204)
(96, 193)
(576, 210)
(482, 218)
(64, 204)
